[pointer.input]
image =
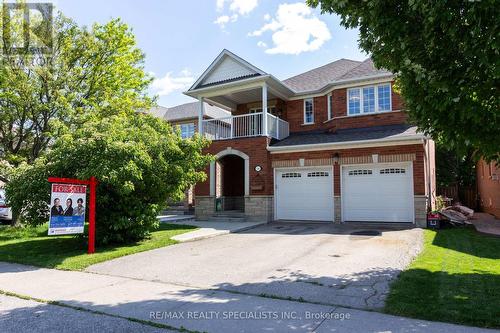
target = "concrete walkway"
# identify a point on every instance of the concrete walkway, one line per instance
(486, 224)
(199, 309)
(211, 229)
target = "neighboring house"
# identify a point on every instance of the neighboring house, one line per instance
(185, 117)
(330, 144)
(488, 187)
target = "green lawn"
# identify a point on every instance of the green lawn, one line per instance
(32, 246)
(456, 279)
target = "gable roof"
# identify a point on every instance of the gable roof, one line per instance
(319, 77)
(226, 67)
(230, 70)
(187, 111)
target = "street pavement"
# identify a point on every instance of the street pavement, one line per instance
(194, 309)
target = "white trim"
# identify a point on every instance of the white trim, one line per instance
(245, 157)
(304, 111)
(375, 90)
(410, 140)
(367, 80)
(412, 188)
(264, 109)
(233, 86)
(275, 190)
(218, 59)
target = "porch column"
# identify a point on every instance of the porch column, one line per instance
(200, 116)
(264, 109)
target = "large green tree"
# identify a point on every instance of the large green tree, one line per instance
(446, 55)
(140, 162)
(89, 73)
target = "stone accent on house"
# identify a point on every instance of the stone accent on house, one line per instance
(259, 208)
(205, 207)
(420, 206)
(337, 209)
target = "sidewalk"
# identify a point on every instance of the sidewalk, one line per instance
(200, 309)
(212, 229)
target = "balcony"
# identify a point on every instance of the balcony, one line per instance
(245, 126)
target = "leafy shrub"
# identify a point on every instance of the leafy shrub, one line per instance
(440, 203)
(139, 161)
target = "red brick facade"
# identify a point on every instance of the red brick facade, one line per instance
(418, 164)
(293, 112)
(262, 183)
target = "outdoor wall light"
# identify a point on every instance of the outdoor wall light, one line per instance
(336, 158)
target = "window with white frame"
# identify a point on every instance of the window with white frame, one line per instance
(369, 99)
(187, 130)
(330, 106)
(308, 111)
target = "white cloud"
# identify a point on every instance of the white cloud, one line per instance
(295, 30)
(261, 44)
(166, 85)
(242, 7)
(267, 17)
(220, 5)
(236, 8)
(221, 21)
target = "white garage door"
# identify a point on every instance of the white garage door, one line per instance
(377, 193)
(304, 194)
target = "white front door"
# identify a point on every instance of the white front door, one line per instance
(378, 193)
(304, 194)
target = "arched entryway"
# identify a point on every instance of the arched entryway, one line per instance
(229, 180)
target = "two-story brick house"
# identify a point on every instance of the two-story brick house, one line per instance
(331, 144)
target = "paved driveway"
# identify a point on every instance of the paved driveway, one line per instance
(310, 262)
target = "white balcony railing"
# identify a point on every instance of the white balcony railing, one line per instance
(244, 126)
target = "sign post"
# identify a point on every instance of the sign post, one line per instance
(92, 182)
(93, 185)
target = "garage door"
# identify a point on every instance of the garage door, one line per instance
(304, 194)
(377, 193)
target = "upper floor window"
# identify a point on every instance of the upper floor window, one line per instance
(369, 99)
(330, 106)
(187, 130)
(308, 111)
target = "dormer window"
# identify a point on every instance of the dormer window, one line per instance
(369, 99)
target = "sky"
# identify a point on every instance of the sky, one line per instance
(181, 38)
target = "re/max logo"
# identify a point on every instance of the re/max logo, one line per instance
(27, 28)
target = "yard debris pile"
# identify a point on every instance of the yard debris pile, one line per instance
(457, 214)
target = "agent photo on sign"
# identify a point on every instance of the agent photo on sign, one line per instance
(79, 210)
(57, 208)
(69, 207)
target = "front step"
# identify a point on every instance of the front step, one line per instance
(228, 216)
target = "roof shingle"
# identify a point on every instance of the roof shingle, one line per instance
(187, 111)
(321, 76)
(348, 135)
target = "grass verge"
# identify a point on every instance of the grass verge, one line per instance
(455, 279)
(32, 246)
